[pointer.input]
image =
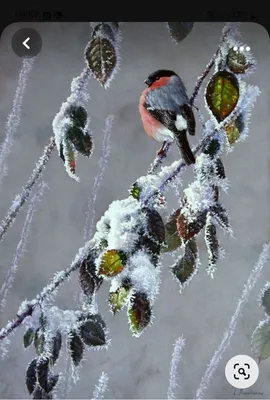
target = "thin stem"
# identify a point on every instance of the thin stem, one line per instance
(14, 117)
(174, 372)
(23, 196)
(252, 280)
(21, 245)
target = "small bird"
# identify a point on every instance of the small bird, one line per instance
(166, 112)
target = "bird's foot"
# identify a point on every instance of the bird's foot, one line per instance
(161, 152)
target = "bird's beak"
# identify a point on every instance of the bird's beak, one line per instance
(147, 82)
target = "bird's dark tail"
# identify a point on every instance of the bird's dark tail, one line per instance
(183, 146)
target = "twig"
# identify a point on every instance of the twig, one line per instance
(101, 387)
(252, 280)
(23, 196)
(176, 356)
(21, 245)
(102, 163)
(14, 117)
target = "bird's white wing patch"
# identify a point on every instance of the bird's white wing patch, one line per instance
(180, 123)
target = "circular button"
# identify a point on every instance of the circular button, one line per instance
(241, 371)
(26, 42)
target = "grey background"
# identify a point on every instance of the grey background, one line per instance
(137, 368)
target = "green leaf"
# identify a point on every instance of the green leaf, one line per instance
(265, 300)
(28, 337)
(78, 114)
(113, 262)
(172, 239)
(260, 341)
(222, 94)
(76, 348)
(185, 267)
(39, 341)
(179, 30)
(237, 61)
(118, 298)
(101, 57)
(139, 313)
(234, 129)
(30, 378)
(135, 191)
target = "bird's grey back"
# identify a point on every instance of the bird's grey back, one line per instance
(168, 97)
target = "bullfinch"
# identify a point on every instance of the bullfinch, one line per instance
(166, 112)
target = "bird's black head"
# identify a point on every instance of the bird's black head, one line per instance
(155, 76)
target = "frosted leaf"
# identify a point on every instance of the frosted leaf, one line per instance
(244, 110)
(186, 266)
(260, 341)
(144, 276)
(31, 378)
(76, 348)
(264, 298)
(102, 53)
(139, 313)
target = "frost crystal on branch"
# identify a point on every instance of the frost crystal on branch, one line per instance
(21, 245)
(102, 163)
(101, 387)
(174, 371)
(14, 117)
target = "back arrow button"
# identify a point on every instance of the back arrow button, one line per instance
(25, 43)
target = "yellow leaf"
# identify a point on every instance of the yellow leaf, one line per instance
(112, 263)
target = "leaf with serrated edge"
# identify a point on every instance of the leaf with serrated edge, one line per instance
(260, 341)
(222, 94)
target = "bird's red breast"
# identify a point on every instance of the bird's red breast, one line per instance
(150, 124)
